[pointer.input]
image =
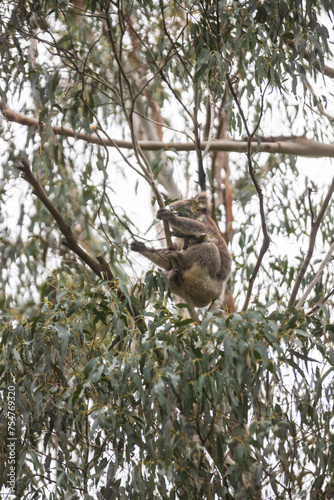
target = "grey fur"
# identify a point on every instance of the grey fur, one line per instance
(203, 262)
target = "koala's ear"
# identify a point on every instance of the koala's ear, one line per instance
(202, 200)
(202, 197)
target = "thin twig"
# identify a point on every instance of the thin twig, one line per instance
(310, 205)
(201, 173)
(313, 235)
(211, 112)
(250, 136)
(322, 301)
(316, 278)
(160, 71)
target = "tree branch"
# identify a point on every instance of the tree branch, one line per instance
(99, 266)
(316, 278)
(327, 70)
(201, 172)
(313, 235)
(299, 146)
(250, 136)
(322, 301)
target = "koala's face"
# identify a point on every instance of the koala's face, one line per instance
(192, 208)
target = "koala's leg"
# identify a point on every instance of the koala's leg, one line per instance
(205, 255)
(158, 257)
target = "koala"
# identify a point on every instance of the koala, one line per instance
(199, 263)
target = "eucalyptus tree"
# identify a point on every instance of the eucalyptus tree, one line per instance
(118, 392)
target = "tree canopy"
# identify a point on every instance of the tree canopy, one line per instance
(110, 388)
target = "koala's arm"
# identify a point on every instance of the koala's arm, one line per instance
(186, 226)
(158, 257)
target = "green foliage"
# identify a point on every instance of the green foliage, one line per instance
(182, 411)
(117, 395)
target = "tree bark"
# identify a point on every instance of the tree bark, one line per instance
(300, 146)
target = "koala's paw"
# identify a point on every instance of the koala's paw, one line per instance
(164, 214)
(137, 246)
(172, 253)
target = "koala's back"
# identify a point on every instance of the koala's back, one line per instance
(198, 274)
(195, 281)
